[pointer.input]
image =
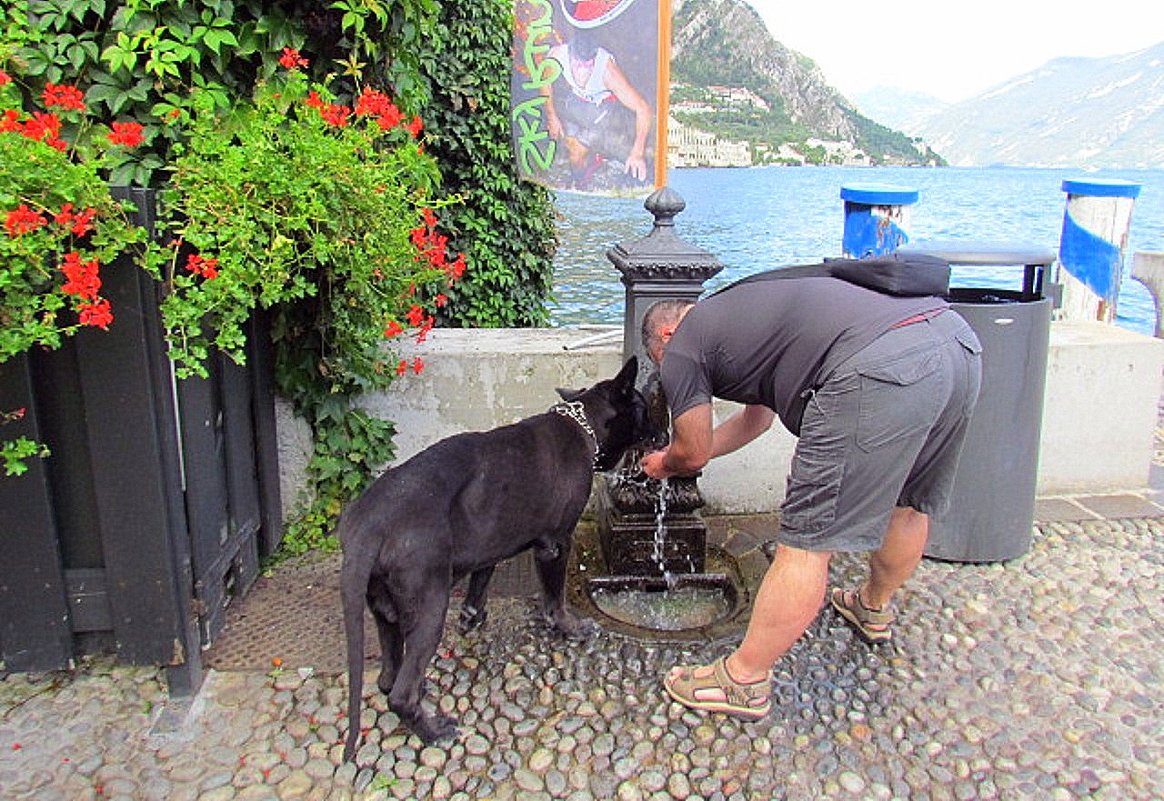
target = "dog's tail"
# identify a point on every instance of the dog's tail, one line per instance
(354, 577)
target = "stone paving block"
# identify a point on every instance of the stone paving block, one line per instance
(1058, 510)
(1120, 507)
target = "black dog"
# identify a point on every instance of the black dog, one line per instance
(458, 508)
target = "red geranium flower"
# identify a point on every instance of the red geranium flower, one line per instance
(43, 127)
(61, 96)
(83, 280)
(78, 223)
(291, 59)
(207, 268)
(389, 119)
(97, 314)
(457, 268)
(372, 102)
(415, 315)
(425, 327)
(5, 78)
(335, 114)
(127, 134)
(22, 221)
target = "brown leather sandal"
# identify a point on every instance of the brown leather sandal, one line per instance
(747, 701)
(850, 606)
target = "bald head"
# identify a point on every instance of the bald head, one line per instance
(659, 323)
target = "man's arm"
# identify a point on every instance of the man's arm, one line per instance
(690, 448)
(694, 443)
(740, 429)
(617, 82)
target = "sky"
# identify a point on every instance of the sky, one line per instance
(954, 51)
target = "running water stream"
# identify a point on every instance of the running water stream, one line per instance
(659, 552)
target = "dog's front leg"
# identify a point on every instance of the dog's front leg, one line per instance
(552, 560)
(473, 607)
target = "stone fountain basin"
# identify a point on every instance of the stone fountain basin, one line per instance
(674, 603)
(712, 606)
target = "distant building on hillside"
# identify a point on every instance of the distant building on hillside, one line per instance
(738, 96)
(689, 147)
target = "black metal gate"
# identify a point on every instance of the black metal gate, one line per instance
(157, 503)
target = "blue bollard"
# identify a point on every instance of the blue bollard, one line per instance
(876, 219)
(1091, 247)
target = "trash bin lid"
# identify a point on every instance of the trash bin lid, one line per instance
(973, 252)
(1101, 187)
(873, 194)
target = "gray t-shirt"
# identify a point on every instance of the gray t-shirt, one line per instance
(769, 342)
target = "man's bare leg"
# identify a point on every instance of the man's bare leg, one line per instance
(897, 559)
(793, 590)
(789, 599)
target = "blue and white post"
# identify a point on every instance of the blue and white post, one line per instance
(1091, 247)
(876, 219)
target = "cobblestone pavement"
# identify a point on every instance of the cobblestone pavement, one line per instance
(1038, 678)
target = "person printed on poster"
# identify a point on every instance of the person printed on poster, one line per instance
(579, 121)
(595, 112)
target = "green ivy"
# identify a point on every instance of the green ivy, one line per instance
(505, 226)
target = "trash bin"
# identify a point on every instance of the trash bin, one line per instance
(992, 511)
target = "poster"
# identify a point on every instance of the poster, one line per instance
(584, 87)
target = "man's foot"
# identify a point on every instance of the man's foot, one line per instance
(871, 624)
(712, 689)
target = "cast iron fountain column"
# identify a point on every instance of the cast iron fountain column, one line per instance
(657, 267)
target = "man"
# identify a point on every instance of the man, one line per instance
(878, 388)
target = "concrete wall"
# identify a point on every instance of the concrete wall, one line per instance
(1100, 411)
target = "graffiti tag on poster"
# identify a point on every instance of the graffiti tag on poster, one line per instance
(535, 148)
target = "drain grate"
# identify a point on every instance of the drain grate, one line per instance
(294, 616)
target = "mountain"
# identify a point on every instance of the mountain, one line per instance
(1071, 112)
(903, 109)
(723, 44)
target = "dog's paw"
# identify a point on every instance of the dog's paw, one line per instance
(432, 729)
(471, 618)
(574, 626)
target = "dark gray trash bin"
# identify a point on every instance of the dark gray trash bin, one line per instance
(993, 508)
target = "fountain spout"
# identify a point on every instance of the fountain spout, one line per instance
(635, 538)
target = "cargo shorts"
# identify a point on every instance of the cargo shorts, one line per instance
(884, 430)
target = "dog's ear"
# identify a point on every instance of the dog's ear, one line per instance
(568, 394)
(629, 372)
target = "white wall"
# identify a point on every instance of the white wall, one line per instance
(1100, 408)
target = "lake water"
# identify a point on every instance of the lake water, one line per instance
(761, 217)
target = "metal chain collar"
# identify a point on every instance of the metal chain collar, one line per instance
(577, 412)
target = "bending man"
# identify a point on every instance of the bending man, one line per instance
(879, 389)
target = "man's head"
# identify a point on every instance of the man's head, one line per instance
(659, 324)
(583, 46)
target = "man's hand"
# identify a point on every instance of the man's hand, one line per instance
(636, 166)
(652, 464)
